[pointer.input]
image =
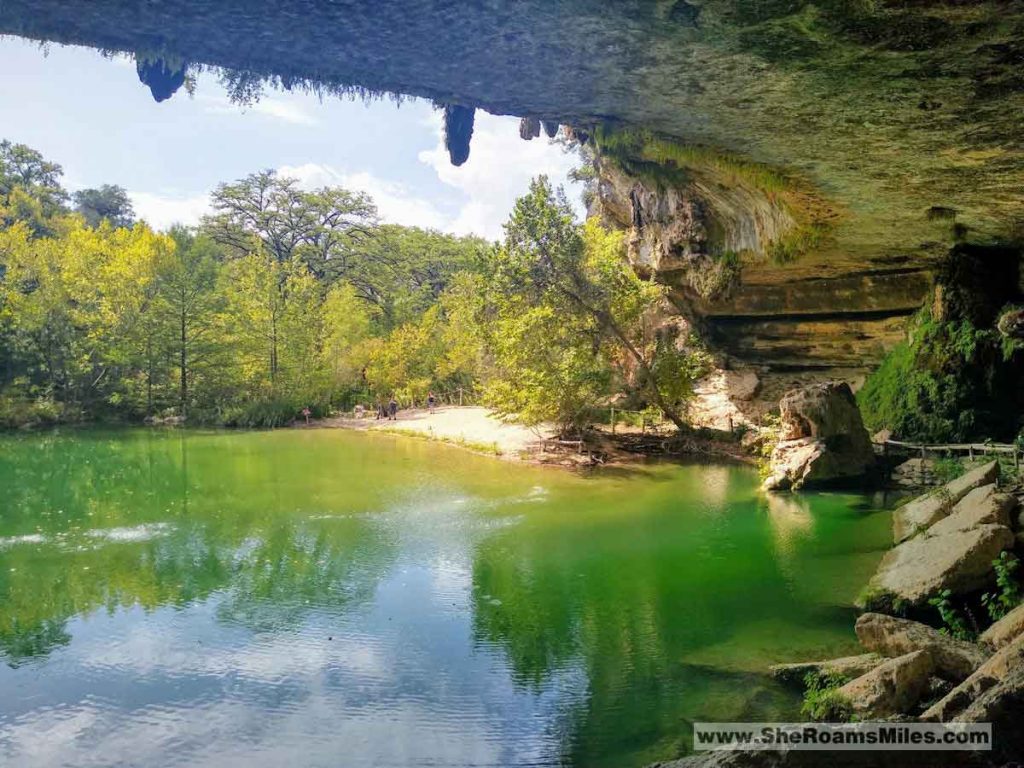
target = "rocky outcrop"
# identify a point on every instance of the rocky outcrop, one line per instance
(891, 688)
(1001, 670)
(924, 511)
(984, 505)
(847, 666)
(960, 561)
(724, 399)
(954, 659)
(822, 439)
(1006, 630)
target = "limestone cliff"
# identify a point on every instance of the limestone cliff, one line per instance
(744, 253)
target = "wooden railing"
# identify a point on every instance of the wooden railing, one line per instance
(971, 449)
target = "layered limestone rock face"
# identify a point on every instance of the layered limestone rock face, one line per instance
(722, 241)
(822, 439)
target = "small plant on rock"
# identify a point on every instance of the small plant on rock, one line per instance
(1007, 596)
(954, 624)
(822, 700)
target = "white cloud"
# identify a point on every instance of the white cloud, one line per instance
(475, 198)
(161, 210)
(482, 191)
(275, 106)
(499, 170)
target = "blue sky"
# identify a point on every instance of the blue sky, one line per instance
(94, 117)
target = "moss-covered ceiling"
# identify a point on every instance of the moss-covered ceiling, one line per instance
(904, 117)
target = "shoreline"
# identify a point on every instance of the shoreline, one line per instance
(478, 430)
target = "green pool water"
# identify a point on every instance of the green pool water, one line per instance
(326, 598)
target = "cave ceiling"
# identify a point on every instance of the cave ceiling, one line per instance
(905, 118)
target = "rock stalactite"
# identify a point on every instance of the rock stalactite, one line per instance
(550, 128)
(529, 128)
(458, 131)
(162, 78)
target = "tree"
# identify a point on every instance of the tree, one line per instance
(187, 282)
(347, 323)
(30, 189)
(581, 276)
(24, 167)
(326, 229)
(273, 319)
(106, 203)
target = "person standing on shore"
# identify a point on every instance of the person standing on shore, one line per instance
(393, 409)
(430, 402)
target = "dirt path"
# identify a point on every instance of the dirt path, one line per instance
(472, 426)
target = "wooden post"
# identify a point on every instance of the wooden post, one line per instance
(613, 419)
(922, 466)
(970, 452)
(460, 397)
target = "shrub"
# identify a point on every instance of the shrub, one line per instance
(1001, 602)
(953, 623)
(822, 699)
(949, 381)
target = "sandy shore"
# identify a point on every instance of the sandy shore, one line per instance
(474, 427)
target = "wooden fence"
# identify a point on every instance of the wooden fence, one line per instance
(970, 449)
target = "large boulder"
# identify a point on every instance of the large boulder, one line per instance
(1002, 667)
(1006, 630)
(891, 688)
(954, 659)
(822, 439)
(982, 505)
(960, 561)
(848, 666)
(921, 513)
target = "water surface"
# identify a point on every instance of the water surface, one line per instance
(324, 598)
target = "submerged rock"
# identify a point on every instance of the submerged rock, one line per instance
(822, 439)
(921, 513)
(892, 687)
(847, 666)
(890, 636)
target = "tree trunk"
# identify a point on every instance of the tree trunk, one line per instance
(184, 367)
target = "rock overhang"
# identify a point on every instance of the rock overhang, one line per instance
(895, 124)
